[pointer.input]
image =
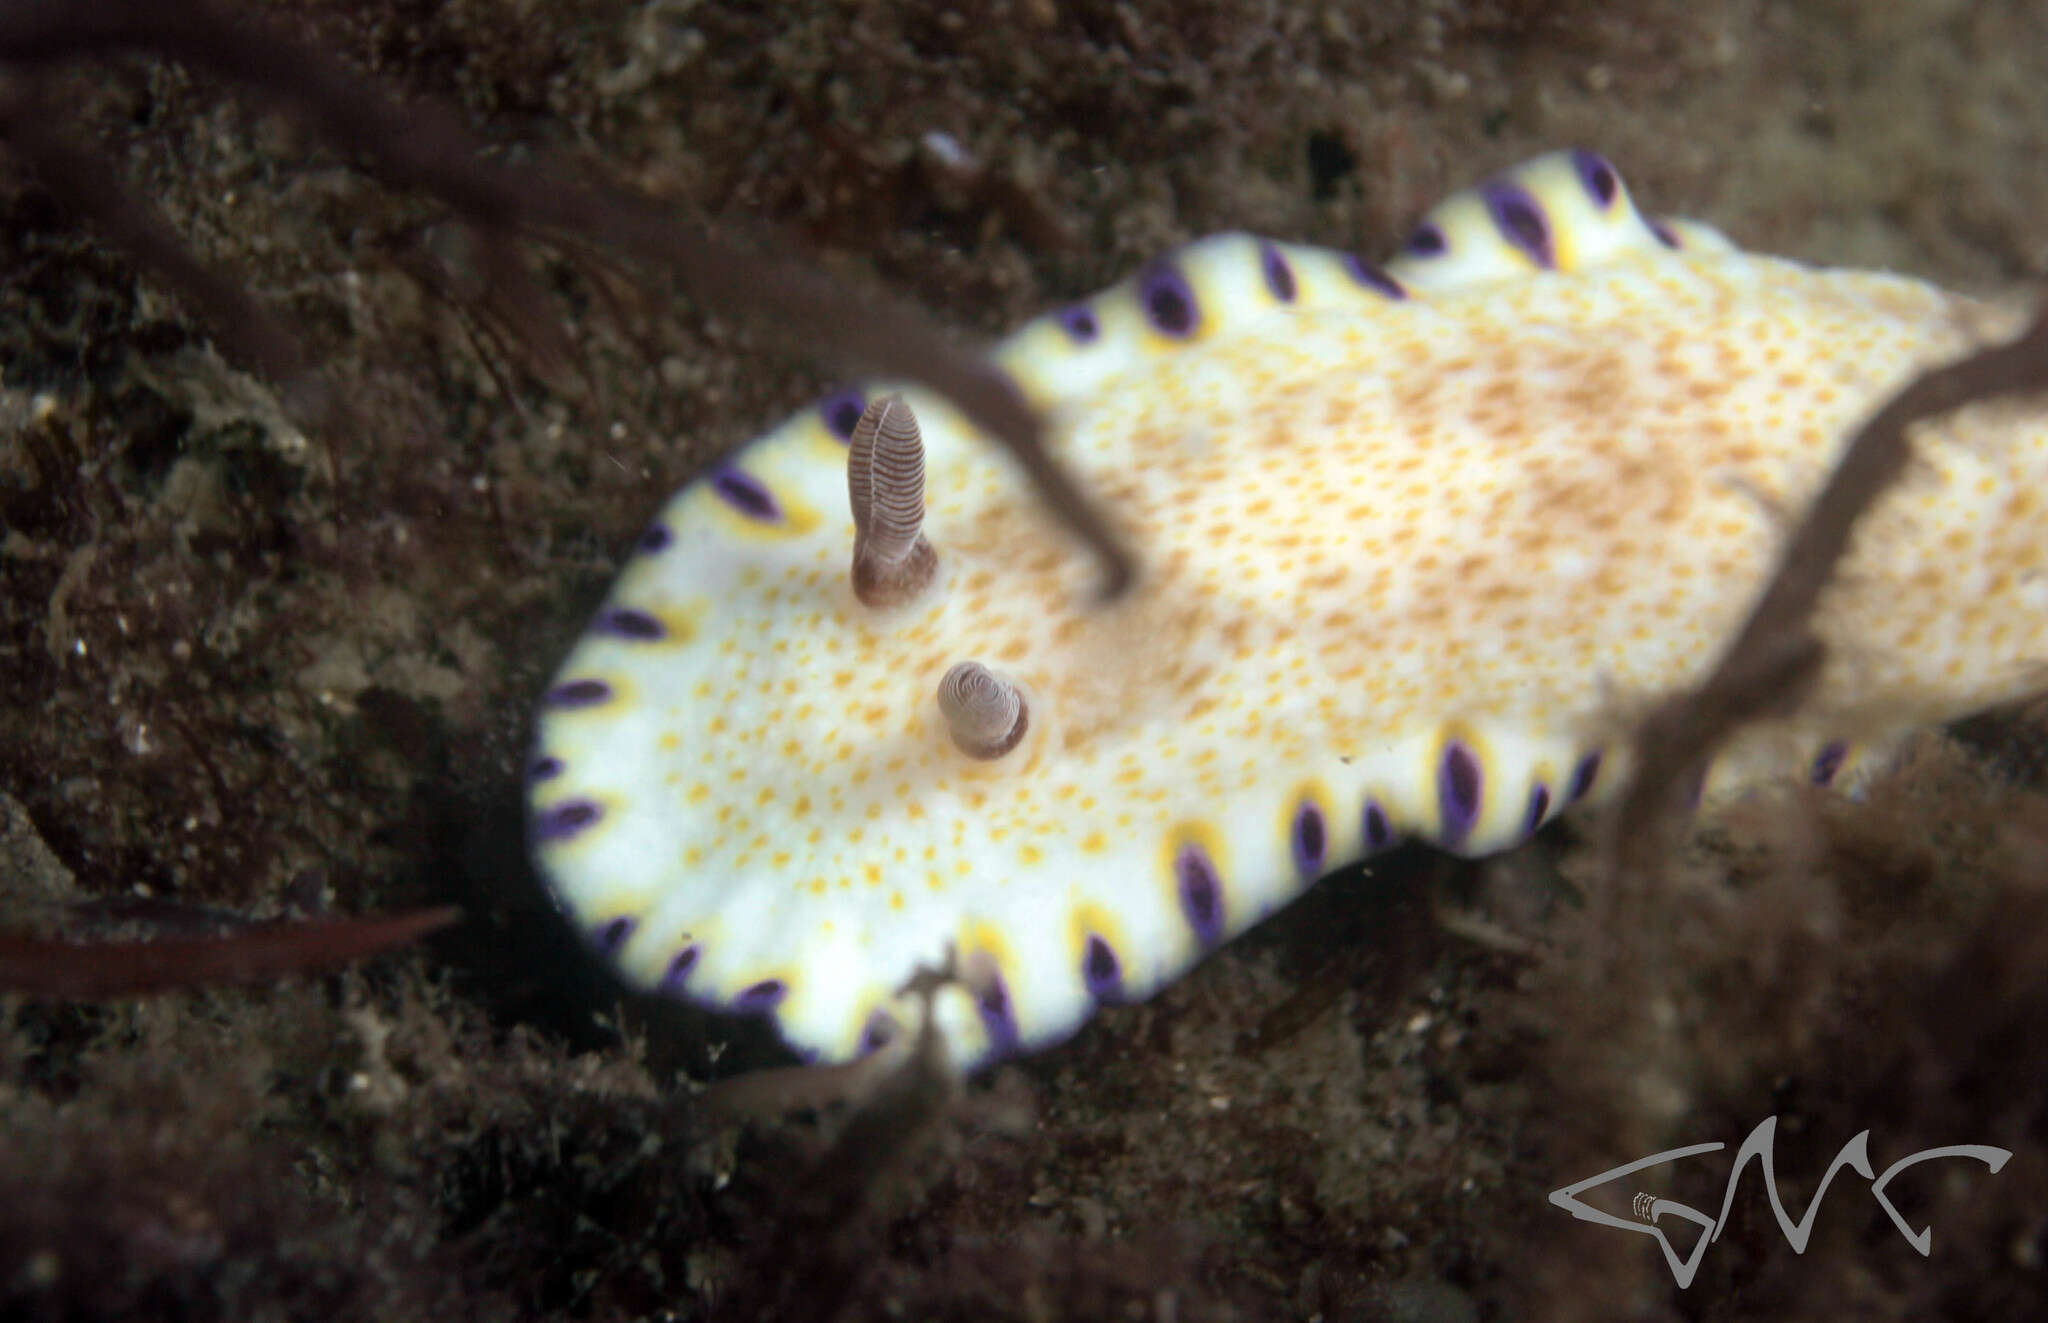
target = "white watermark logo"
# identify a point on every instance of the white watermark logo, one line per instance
(1854, 1155)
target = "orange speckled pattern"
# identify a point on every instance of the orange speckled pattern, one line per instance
(1416, 541)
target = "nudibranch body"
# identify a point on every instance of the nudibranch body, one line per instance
(1416, 541)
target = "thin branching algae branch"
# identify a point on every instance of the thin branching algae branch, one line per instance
(425, 146)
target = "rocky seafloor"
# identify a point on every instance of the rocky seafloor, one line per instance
(257, 671)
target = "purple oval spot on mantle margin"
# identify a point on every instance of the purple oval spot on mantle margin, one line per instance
(841, 411)
(1603, 185)
(745, 493)
(1583, 777)
(993, 1001)
(1459, 793)
(1519, 218)
(655, 540)
(625, 622)
(1101, 972)
(678, 973)
(1310, 840)
(1829, 762)
(763, 996)
(1078, 321)
(1169, 300)
(613, 934)
(1379, 832)
(1426, 241)
(579, 693)
(1201, 893)
(1539, 808)
(545, 768)
(879, 1031)
(561, 821)
(1279, 275)
(1370, 276)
